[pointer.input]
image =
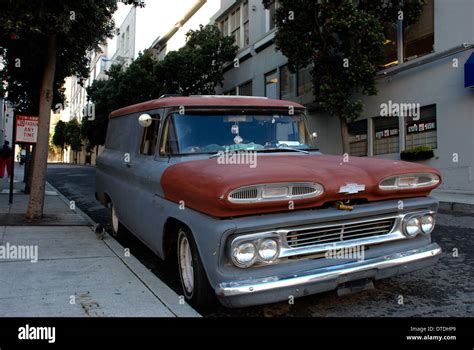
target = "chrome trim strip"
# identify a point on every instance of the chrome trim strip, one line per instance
(235, 288)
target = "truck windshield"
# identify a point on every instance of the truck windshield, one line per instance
(209, 134)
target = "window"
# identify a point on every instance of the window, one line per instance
(200, 133)
(236, 24)
(386, 135)
(271, 84)
(226, 27)
(422, 132)
(271, 10)
(418, 38)
(245, 89)
(305, 81)
(246, 22)
(287, 83)
(231, 92)
(390, 47)
(150, 136)
(358, 138)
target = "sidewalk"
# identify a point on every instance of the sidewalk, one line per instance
(76, 273)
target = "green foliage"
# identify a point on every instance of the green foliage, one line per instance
(72, 135)
(418, 149)
(332, 33)
(417, 153)
(59, 137)
(196, 68)
(25, 25)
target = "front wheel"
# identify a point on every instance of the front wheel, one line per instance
(196, 287)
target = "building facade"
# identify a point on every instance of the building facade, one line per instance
(423, 77)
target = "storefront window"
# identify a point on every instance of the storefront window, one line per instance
(358, 138)
(305, 81)
(245, 89)
(271, 84)
(287, 84)
(386, 135)
(422, 132)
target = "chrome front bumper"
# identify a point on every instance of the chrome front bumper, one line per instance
(277, 288)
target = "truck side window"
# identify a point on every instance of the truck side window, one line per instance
(150, 136)
(169, 143)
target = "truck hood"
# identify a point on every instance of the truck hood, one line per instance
(204, 185)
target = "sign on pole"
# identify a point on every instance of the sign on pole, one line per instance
(26, 129)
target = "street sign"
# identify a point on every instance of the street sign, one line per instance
(26, 129)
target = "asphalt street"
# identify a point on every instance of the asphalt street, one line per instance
(446, 289)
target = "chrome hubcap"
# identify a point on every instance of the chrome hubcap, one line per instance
(186, 265)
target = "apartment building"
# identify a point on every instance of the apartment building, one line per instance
(428, 67)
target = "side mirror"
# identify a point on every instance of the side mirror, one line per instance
(145, 120)
(314, 135)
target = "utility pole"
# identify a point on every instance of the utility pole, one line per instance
(12, 172)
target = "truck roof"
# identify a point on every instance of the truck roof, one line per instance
(204, 101)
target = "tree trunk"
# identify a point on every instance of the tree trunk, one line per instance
(38, 181)
(344, 135)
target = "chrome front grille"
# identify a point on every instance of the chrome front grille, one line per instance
(302, 190)
(336, 233)
(245, 193)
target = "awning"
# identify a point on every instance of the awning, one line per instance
(469, 72)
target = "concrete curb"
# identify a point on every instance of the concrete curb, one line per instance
(166, 295)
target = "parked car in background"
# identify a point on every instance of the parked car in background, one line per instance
(235, 190)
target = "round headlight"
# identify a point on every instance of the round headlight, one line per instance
(245, 254)
(427, 223)
(268, 250)
(412, 227)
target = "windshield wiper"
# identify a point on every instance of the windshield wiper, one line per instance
(283, 149)
(221, 153)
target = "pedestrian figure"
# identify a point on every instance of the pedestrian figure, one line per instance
(5, 159)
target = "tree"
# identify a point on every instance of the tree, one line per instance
(72, 137)
(343, 41)
(196, 68)
(56, 36)
(59, 137)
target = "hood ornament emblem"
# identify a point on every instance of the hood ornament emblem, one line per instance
(351, 188)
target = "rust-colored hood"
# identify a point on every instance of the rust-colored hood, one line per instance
(204, 185)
